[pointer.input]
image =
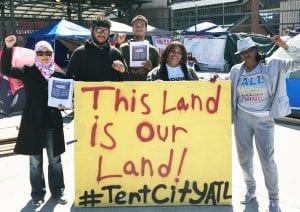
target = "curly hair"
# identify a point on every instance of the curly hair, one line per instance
(169, 48)
(101, 21)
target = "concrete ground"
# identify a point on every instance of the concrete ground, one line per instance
(15, 188)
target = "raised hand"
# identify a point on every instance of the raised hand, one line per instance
(121, 38)
(10, 41)
(280, 42)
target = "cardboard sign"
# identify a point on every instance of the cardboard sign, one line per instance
(152, 143)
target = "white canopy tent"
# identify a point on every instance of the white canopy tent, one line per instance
(151, 30)
(117, 27)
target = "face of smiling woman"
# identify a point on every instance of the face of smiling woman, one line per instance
(174, 56)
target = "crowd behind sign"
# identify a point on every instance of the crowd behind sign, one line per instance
(152, 143)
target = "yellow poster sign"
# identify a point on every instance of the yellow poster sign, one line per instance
(152, 143)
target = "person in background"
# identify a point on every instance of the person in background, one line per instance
(96, 60)
(41, 126)
(119, 39)
(192, 61)
(173, 65)
(258, 96)
(139, 28)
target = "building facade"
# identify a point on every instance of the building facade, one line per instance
(290, 15)
(157, 13)
(22, 17)
(268, 17)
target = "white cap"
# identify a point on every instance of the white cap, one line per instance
(244, 44)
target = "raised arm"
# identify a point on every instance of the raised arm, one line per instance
(280, 42)
(293, 63)
(6, 58)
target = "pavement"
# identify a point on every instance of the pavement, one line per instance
(15, 187)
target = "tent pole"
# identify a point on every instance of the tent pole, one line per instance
(223, 14)
(69, 10)
(79, 13)
(12, 17)
(2, 16)
(54, 47)
(196, 15)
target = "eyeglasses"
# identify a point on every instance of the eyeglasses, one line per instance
(100, 30)
(42, 53)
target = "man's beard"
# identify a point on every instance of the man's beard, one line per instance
(97, 42)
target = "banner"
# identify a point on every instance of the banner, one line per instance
(152, 143)
(161, 43)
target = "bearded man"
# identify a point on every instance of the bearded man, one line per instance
(96, 60)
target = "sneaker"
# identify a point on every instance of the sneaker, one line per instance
(248, 197)
(274, 206)
(61, 199)
(37, 202)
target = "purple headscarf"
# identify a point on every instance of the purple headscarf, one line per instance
(48, 69)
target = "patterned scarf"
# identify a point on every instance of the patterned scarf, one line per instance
(48, 69)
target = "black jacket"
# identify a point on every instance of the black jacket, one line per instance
(161, 72)
(36, 114)
(91, 63)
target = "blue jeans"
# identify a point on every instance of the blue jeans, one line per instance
(246, 127)
(55, 171)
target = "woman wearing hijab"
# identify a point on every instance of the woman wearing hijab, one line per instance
(41, 126)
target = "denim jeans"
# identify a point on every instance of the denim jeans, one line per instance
(55, 171)
(246, 127)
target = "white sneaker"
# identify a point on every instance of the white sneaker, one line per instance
(37, 202)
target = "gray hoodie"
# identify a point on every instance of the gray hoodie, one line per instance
(273, 72)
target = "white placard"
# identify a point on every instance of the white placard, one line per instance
(60, 92)
(139, 53)
(209, 52)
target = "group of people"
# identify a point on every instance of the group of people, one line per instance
(114, 64)
(96, 60)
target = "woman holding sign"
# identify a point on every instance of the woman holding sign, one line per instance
(258, 96)
(41, 125)
(173, 65)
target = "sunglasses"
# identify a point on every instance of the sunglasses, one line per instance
(42, 53)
